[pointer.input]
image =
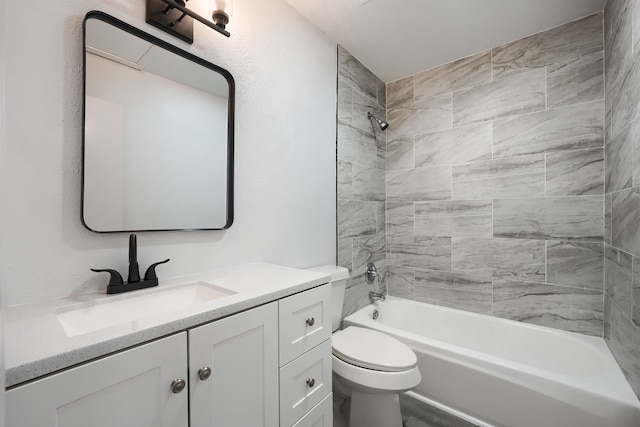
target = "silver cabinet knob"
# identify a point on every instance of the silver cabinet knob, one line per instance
(178, 385)
(311, 321)
(204, 373)
(311, 382)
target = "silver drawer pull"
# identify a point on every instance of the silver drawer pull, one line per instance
(311, 321)
(311, 382)
(204, 373)
(178, 385)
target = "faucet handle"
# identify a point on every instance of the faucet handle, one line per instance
(114, 280)
(150, 274)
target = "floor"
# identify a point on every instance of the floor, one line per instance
(419, 414)
(414, 414)
(341, 408)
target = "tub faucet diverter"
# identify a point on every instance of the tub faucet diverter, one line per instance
(117, 284)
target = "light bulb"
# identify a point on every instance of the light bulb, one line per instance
(220, 11)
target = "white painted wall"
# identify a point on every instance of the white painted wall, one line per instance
(2, 186)
(285, 73)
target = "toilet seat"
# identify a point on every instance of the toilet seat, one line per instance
(373, 350)
(374, 382)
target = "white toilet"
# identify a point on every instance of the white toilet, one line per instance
(369, 366)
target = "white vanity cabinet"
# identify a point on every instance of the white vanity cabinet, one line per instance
(268, 366)
(133, 388)
(305, 358)
(128, 389)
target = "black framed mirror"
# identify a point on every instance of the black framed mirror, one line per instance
(157, 134)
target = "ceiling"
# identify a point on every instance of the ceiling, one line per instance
(398, 38)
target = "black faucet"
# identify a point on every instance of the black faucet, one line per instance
(134, 270)
(117, 284)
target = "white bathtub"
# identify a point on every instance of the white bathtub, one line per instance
(497, 372)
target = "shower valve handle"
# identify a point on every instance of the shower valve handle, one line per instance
(371, 273)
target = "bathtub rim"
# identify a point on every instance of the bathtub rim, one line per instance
(622, 391)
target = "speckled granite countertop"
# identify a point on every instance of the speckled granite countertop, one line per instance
(36, 344)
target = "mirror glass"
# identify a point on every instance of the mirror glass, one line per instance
(158, 134)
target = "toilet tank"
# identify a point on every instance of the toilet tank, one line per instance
(339, 276)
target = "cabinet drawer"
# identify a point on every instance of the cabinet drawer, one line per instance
(320, 416)
(305, 322)
(304, 383)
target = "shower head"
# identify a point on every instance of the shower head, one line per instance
(383, 125)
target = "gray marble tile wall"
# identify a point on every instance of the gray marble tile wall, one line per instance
(622, 185)
(361, 176)
(496, 183)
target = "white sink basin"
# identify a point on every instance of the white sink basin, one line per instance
(96, 316)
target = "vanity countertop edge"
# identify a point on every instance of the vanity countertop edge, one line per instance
(36, 345)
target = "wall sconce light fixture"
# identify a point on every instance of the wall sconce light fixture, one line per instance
(173, 17)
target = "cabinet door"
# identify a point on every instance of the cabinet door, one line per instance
(242, 353)
(127, 389)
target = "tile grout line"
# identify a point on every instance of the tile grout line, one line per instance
(492, 140)
(546, 194)
(414, 219)
(492, 64)
(451, 183)
(413, 288)
(546, 88)
(451, 110)
(451, 254)
(546, 262)
(386, 190)
(492, 296)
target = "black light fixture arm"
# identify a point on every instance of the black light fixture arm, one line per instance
(197, 17)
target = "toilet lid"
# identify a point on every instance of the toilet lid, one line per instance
(372, 350)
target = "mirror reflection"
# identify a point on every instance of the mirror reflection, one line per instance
(158, 134)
